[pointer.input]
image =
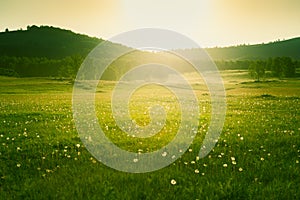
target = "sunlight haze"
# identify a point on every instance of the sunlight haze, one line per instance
(208, 22)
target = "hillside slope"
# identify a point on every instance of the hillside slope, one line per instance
(46, 42)
(287, 48)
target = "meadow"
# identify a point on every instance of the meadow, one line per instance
(257, 155)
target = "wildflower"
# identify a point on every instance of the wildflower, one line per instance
(193, 162)
(240, 169)
(232, 158)
(164, 154)
(77, 145)
(233, 162)
(297, 161)
(225, 165)
(203, 174)
(190, 150)
(18, 165)
(173, 182)
(135, 160)
(262, 159)
(196, 171)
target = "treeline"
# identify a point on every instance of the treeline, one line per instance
(67, 67)
(40, 67)
(273, 67)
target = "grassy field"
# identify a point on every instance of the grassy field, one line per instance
(256, 157)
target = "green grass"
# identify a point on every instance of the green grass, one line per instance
(256, 157)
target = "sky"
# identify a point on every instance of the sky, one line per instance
(208, 22)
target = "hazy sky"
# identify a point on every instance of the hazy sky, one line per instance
(209, 22)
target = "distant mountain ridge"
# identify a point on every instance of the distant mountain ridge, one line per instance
(56, 43)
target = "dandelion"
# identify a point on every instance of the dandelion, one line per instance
(196, 171)
(173, 182)
(18, 165)
(262, 159)
(240, 169)
(225, 165)
(233, 162)
(232, 158)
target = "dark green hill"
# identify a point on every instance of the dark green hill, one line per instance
(46, 42)
(56, 43)
(286, 48)
(49, 51)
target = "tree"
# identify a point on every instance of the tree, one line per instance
(257, 69)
